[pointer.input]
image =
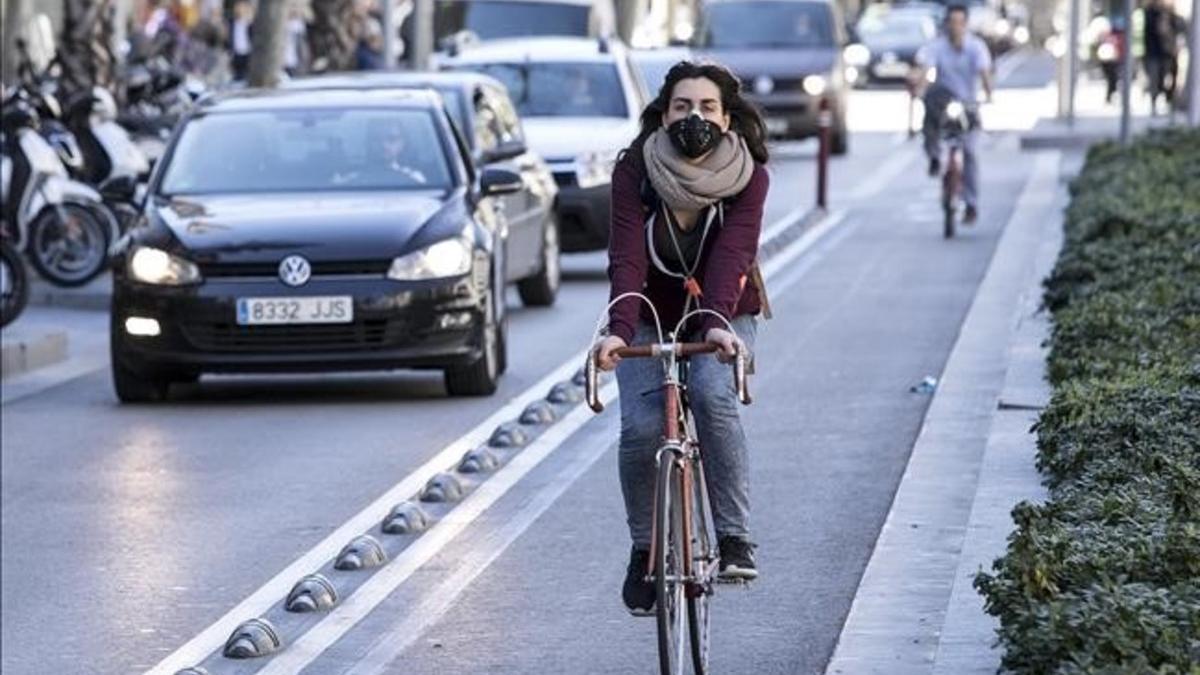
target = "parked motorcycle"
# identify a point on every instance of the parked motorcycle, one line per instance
(14, 282)
(60, 223)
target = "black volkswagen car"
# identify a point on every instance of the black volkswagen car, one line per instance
(488, 121)
(313, 231)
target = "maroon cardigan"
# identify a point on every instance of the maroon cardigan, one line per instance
(724, 261)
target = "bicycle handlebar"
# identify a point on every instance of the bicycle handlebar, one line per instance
(678, 350)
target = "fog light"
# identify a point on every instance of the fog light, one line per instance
(142, 326)
(453, 320)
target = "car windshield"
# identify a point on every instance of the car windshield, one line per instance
(308, 150)
(910, 28)
(546, 89)
(495, 19)
(757, 24)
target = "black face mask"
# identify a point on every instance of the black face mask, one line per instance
(693, 135)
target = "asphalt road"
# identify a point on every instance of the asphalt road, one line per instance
(127, 531)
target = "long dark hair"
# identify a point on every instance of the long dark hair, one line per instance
(744, 118)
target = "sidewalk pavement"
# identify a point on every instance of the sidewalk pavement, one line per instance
(1096, 120)
(916, 610)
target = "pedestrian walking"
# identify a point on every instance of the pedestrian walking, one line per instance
(1161, 37)
(240, 41)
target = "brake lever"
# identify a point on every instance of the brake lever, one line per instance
(590, 377)
(739, 378)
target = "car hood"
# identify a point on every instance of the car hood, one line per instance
(336, 226)
(749, 63)
(882, 42)
(559, 138)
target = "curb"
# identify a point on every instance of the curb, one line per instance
(21, 354)
(906, 596)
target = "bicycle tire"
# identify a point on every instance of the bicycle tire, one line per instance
(668, 544)
(699, 597)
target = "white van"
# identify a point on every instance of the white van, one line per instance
(458, 23)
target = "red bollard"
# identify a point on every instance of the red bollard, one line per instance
(824, 124)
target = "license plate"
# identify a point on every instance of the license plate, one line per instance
(283, 311)
(894, 69)
(776, 125)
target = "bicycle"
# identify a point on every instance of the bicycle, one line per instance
(957, 120)
(683, 556)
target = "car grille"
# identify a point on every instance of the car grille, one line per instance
(565, 178)
(375, 268)
(231, 337)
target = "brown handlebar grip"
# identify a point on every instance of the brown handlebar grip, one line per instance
(591, 391)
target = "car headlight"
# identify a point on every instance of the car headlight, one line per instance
(447, 258)
(814, 85)
(594, 168)
(155, 266)
(857, 55)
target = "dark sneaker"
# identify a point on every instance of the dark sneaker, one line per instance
(737, 560)
(970, 216)
(935, 166)
(638, 593)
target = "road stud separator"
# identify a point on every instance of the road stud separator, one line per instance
(362, 552)
(252, 639)
(405, 518)
(313, 593)
(443, 487)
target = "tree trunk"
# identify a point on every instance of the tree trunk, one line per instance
(266, 56)
(332, 35)
(85, 46)
(15, 15)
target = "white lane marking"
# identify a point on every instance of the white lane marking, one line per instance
(330, 629)
(403, 633)
(212, 637)
(877, 181)
(277, 588)
(346, 615)
(790, 219)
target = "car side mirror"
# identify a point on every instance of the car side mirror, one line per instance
(505, 151)
(120, 188)
(496, 181)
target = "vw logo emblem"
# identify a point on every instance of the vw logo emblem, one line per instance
(294, 270)
(763, 85)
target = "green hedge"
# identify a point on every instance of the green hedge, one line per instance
(1105, 576)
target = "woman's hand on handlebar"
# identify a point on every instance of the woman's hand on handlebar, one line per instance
(729, 343)
(606, 356)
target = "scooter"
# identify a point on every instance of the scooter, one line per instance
(14, 282)
(61, 224)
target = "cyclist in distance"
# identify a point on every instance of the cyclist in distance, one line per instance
(960, 63)
(687, 208)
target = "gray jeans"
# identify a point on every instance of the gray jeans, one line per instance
(714, 407)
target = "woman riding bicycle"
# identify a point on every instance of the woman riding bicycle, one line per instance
(687, 206)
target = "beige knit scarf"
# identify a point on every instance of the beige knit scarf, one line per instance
(683, 185)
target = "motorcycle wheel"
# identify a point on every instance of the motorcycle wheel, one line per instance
(14, 283)
(68, 244)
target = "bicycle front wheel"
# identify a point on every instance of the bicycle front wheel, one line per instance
(699, 593)
(668, 566)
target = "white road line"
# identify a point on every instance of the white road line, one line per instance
(402, 634)
(881, 178)
(355, 608)
(199, 647)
